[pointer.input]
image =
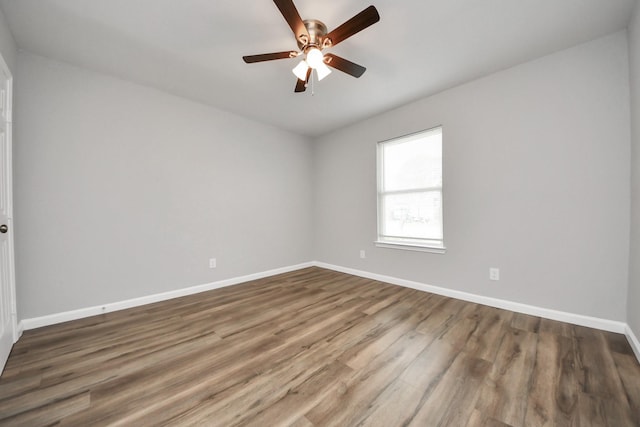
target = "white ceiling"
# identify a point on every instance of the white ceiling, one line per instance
(194, 48)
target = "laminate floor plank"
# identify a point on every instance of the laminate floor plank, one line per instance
(266, 396)
(600, 380)
(246, 351)
(300, 399)
(491, 324)
(414, 385)
(626, 365)
(314, 348)
(507, 386)
(65, 367)
(452, 401)
(132, 397)
(526, 322)
(294, 358)
(554, 384)
(95, 377)
(227, 376)
(352, 402)
(558, 328)
(50, 413)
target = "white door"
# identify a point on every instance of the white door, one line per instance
(8, 324)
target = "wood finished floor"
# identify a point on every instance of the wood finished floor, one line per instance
(319, 348)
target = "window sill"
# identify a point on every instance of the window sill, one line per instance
(409, 247)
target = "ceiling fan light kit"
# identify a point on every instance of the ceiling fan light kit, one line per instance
(312, 37)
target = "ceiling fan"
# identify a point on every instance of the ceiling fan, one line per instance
(312, 37)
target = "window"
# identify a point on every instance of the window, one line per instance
(410, 192)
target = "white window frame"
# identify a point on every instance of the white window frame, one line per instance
(412, 244)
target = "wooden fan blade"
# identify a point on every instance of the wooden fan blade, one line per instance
(301, 86)
(250, 59)
(362, 20)
(291, 15)
(344, 65)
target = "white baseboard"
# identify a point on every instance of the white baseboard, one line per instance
(19, 331)
(66, 316)
(576, 319)
(633, 340)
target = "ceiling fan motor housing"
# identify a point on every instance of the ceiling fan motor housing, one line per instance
(317, 32)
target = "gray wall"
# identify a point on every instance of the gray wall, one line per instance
(633, 300)
(123, 191)
(536, 182)
(7, 44)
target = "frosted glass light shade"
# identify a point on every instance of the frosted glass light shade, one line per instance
(323, 71)
(300, 70)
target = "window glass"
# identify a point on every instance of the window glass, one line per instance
(410, 190)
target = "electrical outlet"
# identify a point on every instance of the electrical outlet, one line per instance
(362, 254)
(212, 263)
(494, 273)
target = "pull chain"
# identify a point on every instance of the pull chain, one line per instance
(312, 83)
